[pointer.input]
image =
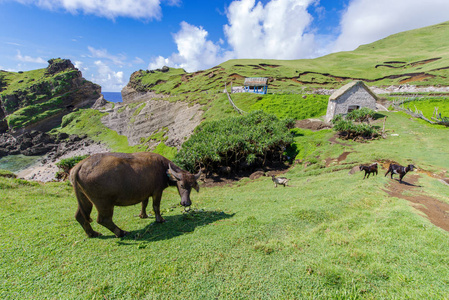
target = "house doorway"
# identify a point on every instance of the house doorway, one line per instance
(353, 107)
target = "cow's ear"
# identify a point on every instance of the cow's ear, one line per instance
(171, 177)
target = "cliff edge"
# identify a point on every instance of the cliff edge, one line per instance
(38, 99)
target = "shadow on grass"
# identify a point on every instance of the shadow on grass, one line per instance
(406, 183)
(175, 226)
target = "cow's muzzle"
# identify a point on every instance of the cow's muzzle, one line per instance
(186, 202)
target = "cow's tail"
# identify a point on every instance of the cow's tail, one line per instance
(84, 204)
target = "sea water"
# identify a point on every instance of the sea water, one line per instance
(113, 96)
(17, 163)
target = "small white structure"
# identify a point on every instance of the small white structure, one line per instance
(349, 97)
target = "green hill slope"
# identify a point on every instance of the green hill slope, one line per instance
(38, 99)
(419, 57)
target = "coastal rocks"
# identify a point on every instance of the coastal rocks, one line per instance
(3, 122)
(29, 143)
(39, 143)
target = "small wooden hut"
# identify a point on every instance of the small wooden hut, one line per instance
(258, 85)
(349, 97)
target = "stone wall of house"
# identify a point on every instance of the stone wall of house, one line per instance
(356, 96)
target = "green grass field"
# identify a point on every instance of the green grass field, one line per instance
(329, 235)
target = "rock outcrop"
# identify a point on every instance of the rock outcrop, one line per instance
(44, 101)
(174, 122)
(131, 95)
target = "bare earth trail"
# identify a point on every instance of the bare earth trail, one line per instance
(436, 211)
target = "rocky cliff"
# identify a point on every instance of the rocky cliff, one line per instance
(153, 121)
(38, 99)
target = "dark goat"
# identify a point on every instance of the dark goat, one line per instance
(397, 169)
(369, 169)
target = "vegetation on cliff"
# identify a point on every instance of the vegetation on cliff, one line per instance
(32, 96)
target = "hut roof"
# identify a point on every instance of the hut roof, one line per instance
(255, 81)
(338, 93)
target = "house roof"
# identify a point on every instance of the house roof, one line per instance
(255, 81)
(341, 91)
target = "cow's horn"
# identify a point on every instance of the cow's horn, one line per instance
(175, 174)
(197, 175)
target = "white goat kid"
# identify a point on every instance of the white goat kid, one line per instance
(280, 180)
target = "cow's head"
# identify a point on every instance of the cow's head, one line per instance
(185, 182)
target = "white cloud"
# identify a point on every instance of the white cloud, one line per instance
(194, 50)
(80, 66)
(103, 53)
(139, 9)
(138, 61)
(366, 21)
(26, 58)
(106, 77)
(276, 30)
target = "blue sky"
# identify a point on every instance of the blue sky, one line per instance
(108, 40)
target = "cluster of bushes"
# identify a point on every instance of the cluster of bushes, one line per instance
(65, 165)
(350, 130)
(247, 141)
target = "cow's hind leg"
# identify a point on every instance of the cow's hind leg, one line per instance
(105, 218)
(82, 214)
(143, 212)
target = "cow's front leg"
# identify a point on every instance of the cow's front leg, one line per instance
(143, 212)
(156, 207)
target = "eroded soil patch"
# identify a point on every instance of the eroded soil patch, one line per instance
(435, 210)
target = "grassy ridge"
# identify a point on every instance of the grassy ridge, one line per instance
(419, 57)
(328, 236)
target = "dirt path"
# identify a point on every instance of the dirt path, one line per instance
(435, 210)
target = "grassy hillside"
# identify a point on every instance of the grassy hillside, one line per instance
(419, 57)
(32, 96)
(329, 235)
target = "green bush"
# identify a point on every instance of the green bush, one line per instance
(361, 115)
(349, 130)
(66, 164)
(238, 142)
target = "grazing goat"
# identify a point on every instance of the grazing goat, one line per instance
(369, 169)
(397, 169)
(280, 180)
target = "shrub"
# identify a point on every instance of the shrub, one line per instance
(361, 115)
(237, 142)
(66, 164)
(349, 130)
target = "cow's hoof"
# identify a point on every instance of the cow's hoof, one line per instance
(145, 216)
(122, 233)
(94, 234)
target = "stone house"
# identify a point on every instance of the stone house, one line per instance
(349, 97)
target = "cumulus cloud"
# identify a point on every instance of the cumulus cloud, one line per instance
(106, 77)
(26, 58)
(195, 51)
(366, 21)
(139, 9)
(277, 30)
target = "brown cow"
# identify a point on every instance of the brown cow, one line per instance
(121, 179)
